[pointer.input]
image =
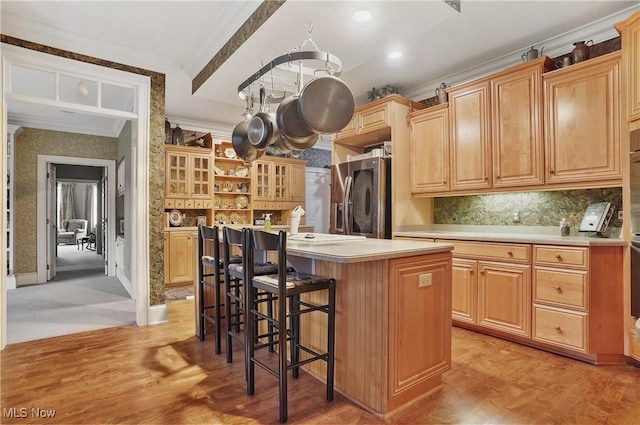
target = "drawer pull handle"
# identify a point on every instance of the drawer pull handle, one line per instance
(558, 257)
(559, 289)
(510, 253)
(558, 329)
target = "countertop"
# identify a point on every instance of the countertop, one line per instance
(549, 235)
(359, 250)
(303, 228)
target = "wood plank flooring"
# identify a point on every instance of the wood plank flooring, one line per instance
(163, 375)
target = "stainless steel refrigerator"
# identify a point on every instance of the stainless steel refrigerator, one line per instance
(361, 198)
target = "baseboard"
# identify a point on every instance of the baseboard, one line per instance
(24, 279)
(10, 282)
(157, 314)
(126, 283)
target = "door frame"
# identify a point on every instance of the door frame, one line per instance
(139, 236)
(41, 210)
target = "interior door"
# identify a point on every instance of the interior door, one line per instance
(52, 221)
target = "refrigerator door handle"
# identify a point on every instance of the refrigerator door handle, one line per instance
(346, 216)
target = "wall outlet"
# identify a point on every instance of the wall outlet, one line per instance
(516, 216)
(619, 214)
(425, 280)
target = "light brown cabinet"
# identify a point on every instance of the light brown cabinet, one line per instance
(630, 33)
(470, 136)
(278, 183)
(582, 122)
(464, 289)
(368, 120)
(178, 261)
(429, 150)
(187, 176)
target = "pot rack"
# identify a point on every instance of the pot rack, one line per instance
(284, 75)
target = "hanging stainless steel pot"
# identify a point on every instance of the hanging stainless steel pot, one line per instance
(326, 104)
(292, 127)
(240, 140)
(262, 129)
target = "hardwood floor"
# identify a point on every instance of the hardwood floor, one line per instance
(163, 375)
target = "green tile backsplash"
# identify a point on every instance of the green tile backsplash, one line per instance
(536, 208)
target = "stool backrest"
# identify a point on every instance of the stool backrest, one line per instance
(208, 236)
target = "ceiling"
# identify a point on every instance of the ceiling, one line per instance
(179, 38)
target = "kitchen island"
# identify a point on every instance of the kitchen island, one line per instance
(393, 316)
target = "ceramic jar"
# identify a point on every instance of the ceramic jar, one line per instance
(581, 51)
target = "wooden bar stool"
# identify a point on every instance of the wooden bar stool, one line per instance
(288, 285)
(210, 266)
(234, 278)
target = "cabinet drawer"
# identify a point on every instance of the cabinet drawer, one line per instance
(560, 327)
(564, 288)
(198, 203)
(374, 118)
(490, 251)
(634, 346)
(561, 255)
(169, 203)
(179, 203)
(189, 203)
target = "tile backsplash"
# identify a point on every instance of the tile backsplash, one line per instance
(534, 208)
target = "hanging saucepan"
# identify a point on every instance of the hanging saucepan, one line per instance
(240, 140)
(262, 130)
(326, 104)
(292, 128)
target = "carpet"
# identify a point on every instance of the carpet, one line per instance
(80, 298)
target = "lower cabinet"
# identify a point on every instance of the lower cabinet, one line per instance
(565, 299)
(178, 252)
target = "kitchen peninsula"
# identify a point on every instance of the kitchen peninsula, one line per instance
(393, 316)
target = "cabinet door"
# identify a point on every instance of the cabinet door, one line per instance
(374, 119)
(297, 182)
(200, 185)
(504, 297)
(582, 132)
(351, 129)
(630, 31)
(516, 100)
(180, 257)
(429, 150)
(464, 290)
(470, 137)
(177, 175)
(262, 181)
(280, 182)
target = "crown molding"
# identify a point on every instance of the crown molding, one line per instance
(111, 129)
(216, 130)
(598, 31)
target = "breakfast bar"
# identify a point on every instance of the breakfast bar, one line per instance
(393, 315)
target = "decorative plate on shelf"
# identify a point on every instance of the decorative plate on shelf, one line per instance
(217, 201)
(221, 218)
(242, 171)
(219, 171)
(175, 218)
(242, 201)
(230, 153)
(235, 218)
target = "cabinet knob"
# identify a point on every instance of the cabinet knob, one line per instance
(558, 289)
(552, 171)
(498, 177)
(510, 253)
(558, 329)
(558, 257)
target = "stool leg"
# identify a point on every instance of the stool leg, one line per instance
(227, 315)
(294, 303)
(269, 325)
(250, 336)
(331, 338)
(201, 307)
(216, 303)
(282, 356)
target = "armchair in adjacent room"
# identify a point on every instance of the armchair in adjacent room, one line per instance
(72, 230)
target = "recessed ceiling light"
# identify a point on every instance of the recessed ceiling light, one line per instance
(362, 16)
(395, 55)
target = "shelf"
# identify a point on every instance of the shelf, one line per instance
(227, 176)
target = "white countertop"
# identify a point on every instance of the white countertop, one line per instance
(521, 234)
(358, 250)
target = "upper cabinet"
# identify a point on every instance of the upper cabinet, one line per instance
(470, 136)
(429, 150)
(278, 183)
(187, 176)
(630, 34)
(582, 122)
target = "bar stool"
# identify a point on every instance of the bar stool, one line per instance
(234, 278)
(210, 266)
(288, 285)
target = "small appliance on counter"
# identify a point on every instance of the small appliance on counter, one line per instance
(597, 217)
